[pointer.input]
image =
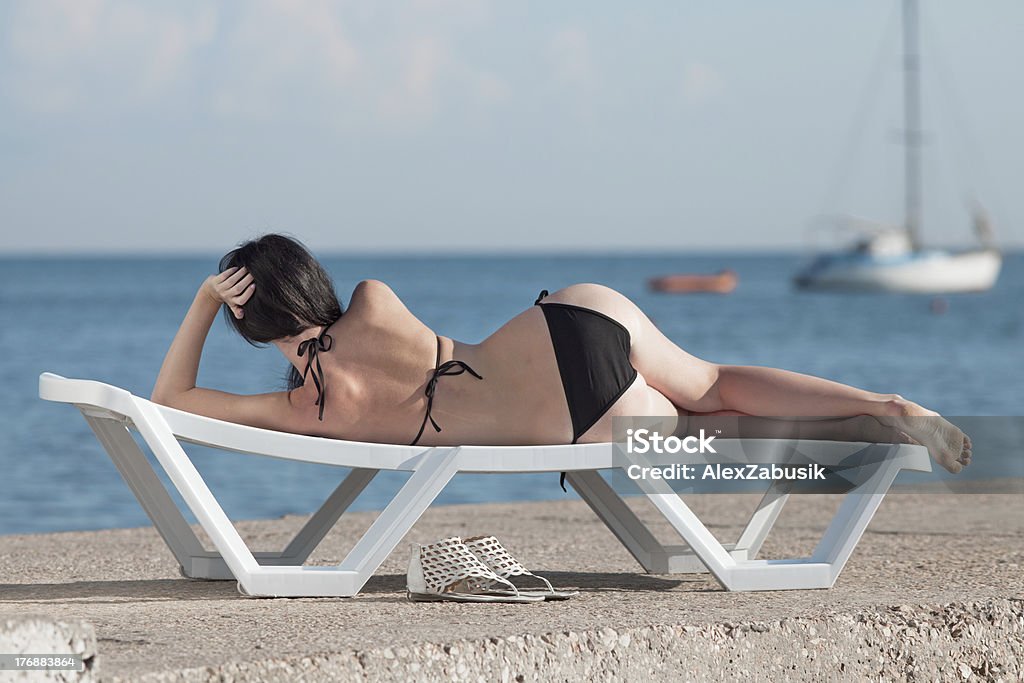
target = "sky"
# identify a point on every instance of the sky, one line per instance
(469, 125)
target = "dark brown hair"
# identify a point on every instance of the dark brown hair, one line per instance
(293, 292)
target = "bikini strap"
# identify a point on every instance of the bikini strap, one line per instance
(448, 368)
(311, 348)
(543, 295)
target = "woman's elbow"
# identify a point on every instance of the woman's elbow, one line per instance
(163, 397)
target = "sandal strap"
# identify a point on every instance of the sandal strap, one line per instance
(499, 560)
(449, 566)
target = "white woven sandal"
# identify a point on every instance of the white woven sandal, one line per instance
(500, 561)
(447, 570)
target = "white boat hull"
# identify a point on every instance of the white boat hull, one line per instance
(924, 272)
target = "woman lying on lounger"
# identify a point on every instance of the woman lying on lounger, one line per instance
(556, 373)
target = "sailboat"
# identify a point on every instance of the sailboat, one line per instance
(893, 259)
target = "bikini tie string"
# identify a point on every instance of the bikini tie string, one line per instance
(313, 346)
(447, 369)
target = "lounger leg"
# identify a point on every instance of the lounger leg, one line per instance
(762, 521)
(620, 519)
(818, 571)
(822, 569)
(211, 565)
(194, 560)
(314, 530)
(853, 517)
(733, 573)
(433, 474)
(705, 546)
(681, 559)
(187, 480)
(652, 555)
(131, 462)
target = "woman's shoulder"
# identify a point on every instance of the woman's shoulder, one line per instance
(373, 297)
(373, 287)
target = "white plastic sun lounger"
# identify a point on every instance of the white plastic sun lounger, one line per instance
(111, 412)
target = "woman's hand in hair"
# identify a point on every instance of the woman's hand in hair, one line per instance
(232, 287)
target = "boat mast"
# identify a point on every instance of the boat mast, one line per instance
(912, 137)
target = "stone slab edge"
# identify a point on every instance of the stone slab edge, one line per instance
(39, 635)
(956, 641)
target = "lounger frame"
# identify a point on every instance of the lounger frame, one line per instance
(111, 412)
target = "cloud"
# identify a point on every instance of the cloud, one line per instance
(333, 64)
(428, 70)
(471, 12)
(489, 88)
(391, 65)
(411, 93)
(92, 54)
(571, 59)
(425, 59)
(277, 52)
(701, 82)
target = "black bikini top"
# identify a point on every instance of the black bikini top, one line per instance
(314, 345)
(310, 348)
(450, 367)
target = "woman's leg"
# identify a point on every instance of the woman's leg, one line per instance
(697, 386)
(702, 387)
(644, 400)
(730, 424)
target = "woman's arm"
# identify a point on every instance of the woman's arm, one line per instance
(176, 384)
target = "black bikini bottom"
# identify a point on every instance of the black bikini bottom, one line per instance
(592, 351)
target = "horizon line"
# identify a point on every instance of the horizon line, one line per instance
(562, 252)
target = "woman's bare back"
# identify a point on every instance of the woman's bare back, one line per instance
(384, 357)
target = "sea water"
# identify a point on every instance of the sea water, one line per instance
(111, 319)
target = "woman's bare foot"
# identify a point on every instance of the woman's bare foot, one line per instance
(949, 446)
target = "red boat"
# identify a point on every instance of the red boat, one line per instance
(722, 282)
